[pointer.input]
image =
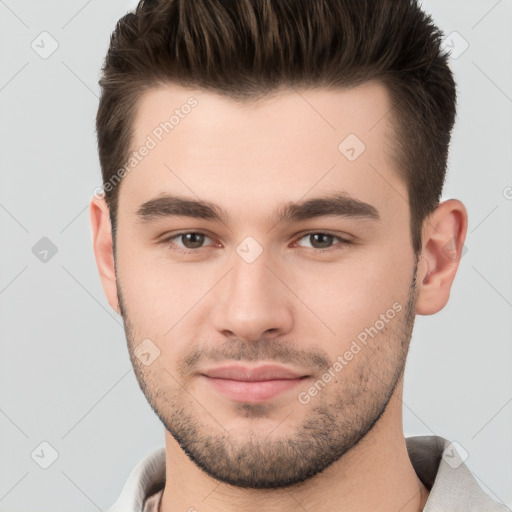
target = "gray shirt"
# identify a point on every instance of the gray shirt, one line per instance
(437, 463)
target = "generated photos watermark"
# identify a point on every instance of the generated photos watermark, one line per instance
(355, 348)
(152, 140)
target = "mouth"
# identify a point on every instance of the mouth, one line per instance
(254, 385)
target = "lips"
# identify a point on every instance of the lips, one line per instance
(246, 374)
(253, 385)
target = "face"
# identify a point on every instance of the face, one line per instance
(265, 275)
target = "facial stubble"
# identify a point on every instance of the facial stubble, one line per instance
(335, 422)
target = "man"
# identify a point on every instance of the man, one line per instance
(268, 227)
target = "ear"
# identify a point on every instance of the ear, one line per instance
(103, 251)
(444, 233)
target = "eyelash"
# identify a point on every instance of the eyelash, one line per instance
(168, 241)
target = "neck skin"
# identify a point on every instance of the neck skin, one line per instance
(376, 475)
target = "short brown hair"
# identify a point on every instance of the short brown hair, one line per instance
(246, 49)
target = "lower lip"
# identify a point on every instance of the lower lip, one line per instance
(253, 391)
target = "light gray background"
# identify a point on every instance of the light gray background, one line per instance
(65, 375)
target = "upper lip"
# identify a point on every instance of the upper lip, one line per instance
(260, 373)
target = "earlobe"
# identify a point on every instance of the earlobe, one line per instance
(444, 234)
(103, 249)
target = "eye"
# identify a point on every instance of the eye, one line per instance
(322, 241)
(191, 241)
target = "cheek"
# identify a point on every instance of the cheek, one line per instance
(342, 300)
(159, 295)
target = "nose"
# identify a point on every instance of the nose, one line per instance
(252, 301)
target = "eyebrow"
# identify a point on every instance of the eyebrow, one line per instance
(335, 205)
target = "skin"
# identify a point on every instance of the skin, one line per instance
(292, 306)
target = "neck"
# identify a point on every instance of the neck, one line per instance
(376, 475)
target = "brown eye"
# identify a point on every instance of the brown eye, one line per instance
(323, 241)
(190, 241)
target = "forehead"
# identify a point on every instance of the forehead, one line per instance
(280, 148)
(363, 109)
